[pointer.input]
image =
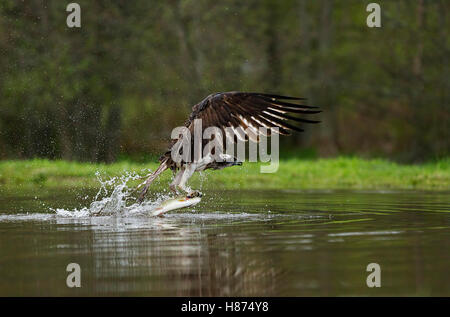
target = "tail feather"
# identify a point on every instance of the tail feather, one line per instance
(162, 167)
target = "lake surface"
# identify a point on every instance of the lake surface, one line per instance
(234, 243)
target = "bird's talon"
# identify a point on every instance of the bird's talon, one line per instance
(194, 193)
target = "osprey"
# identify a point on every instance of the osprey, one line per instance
(243, 112)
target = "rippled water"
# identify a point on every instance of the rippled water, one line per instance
(234, 243)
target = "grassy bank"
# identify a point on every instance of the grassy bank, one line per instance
(336, 173)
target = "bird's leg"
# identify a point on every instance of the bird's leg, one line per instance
(185, 175)
(173, 189)
(176, 181)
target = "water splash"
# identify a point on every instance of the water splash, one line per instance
(114, 198)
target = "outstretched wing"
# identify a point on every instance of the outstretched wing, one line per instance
(246, 112)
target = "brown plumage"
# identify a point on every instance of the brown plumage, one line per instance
(240, 110)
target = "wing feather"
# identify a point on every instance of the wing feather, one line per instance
(247, 112)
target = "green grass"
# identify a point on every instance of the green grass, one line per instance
(336, 173)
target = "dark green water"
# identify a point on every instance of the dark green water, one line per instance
(235, 243)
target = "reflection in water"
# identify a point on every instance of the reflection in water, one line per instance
(283, 243)
(181, 257)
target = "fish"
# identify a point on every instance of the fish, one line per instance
(174, 203)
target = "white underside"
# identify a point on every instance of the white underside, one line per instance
(186, 171)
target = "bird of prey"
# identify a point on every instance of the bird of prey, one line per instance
(244, 113)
